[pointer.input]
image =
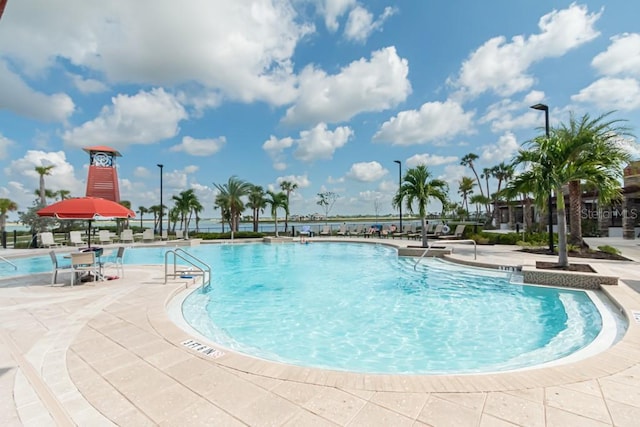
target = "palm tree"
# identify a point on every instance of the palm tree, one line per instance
(42, 171)
(231, 195)
(6, 206)
(465, 189)
(415, 191)
(257, 203)
(64, 194)
(277, 200)
(556, 161)
(596, 141)
(503, 172)
(468, 161)
(288, 187)
(142, 210)
(123, 221)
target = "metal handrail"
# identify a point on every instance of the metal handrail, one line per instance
(202, 268)
(475, 248)
(8, 262)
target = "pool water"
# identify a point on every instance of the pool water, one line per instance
(362, 308)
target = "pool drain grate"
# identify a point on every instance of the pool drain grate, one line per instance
(203, 349)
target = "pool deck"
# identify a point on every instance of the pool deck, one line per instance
(108, 354)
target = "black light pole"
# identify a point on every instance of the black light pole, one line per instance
(545, 108)
(160, 227)
(399, 188)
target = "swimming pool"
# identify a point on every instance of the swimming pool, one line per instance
(361, 308)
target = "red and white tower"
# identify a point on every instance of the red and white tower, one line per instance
(102, 180)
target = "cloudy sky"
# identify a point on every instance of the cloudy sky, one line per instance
(324, 93)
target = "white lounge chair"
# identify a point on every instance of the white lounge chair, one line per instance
(75, 238)
(126, 236)
(104, 237)
(305, 231)
(326, 230)
(457, 233)
(179, 234)
(343, 231)
(47, 240)
(148, 235)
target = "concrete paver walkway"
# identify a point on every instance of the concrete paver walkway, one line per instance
(108, 354)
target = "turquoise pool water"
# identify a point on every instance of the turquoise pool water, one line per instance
(360, 307)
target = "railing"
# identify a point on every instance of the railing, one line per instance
(475, 247)
(8, 262)
(201, 268)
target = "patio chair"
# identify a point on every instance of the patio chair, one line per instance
(343, 230)
(126, 236)
(437, 231)
(84, 263)
(75, 238)
(326, 230)
(179, 234)
(47, 240)
(57, 267)
(104, 237)
(305, 231)
(357, 230)
(116, 261)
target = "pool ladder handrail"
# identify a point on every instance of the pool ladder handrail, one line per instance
(475, 248)
(8, 262)
(201, 268)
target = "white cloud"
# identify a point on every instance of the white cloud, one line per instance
(452, 174)
(509, 115)
(434, 122)
(275, 148)
(200, 147)
(61, 177)
(320, 143)
(501, 66)
(332, 10)
(302, 181)
(5, 143)
(429, 160)
(242, 47)
(141, 172)
(504, 149)
(361, 24)
(610, 93)
(364, 85)
(88, 85)
(622, 57)
(18, 97)
(366, 172)
(144, 118)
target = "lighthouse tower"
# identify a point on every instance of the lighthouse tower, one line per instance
(102, 180)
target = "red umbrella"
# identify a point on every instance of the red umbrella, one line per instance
(87, 208)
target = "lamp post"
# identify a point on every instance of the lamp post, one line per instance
(545, 108)
(161, 209)
(399, 188)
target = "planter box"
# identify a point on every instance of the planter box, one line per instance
(569, 279)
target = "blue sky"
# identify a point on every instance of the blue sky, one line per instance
(323, 93)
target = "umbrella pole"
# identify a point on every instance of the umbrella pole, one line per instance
(89, 236)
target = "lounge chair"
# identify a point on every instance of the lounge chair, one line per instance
(126, 236)
(117, 262)
(457, 233)
(326, 230)
(343, 231)
(436, 232)
(357, 230)
(305, 231)
(148, 235)
(179, 234)
(57, 267)
(47, 240)
(104, 237)
(75, 238)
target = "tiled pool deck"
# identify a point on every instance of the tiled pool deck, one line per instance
(109, 355)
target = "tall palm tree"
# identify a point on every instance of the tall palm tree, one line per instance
(232, 193)
(6, 206)
(556, 161)
(416, 189)
(256, 202)
(142, 210)
(42, 171)
(503, 172)
(468, 160)
(277, 200)
(63, 194)
(596, 140)
(465, 189)
(122, 223)
(288, 187)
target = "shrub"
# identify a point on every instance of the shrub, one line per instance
(609, 250)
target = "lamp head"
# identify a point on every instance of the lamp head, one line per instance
(397, 161)
(541, 107)
(160, 166)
